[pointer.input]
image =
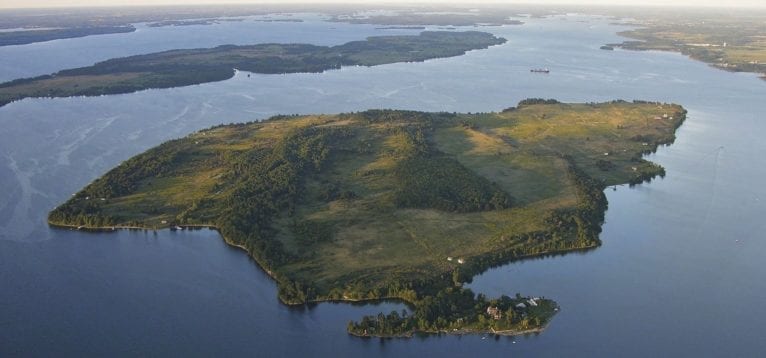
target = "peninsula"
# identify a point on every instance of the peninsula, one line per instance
(731, 43)
(28, 36)
(393, 204)
(177, 68)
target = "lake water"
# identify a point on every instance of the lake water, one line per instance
(680, 271)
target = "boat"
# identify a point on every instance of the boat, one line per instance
(540, 70)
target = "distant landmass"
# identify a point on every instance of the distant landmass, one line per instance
(23, 26)
(177, 68)
(392, 204)
(733, 44)
(202, 22)
(486, 18)
(24, 37)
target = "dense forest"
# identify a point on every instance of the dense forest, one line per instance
(429, 179)
(459, 310)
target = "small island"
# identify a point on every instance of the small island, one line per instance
(486, 17)
(195, 22)
(178, 68)
(393, 204)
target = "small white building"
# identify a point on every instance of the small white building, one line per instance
(460, 261)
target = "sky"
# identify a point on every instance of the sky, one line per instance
(7, 4)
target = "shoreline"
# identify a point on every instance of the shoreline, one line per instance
(461, 332)
(761, 75)
(397, 299)
(100, 229)
(629, 45)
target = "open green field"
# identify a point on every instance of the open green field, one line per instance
(388, 203)
(177, 68)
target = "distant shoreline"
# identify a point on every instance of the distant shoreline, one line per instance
(187, 67)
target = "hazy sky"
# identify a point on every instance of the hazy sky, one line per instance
(64, 3)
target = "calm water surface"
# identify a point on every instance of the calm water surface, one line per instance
(680, 271)
(47, 57)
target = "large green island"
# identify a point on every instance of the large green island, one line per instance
(392, 204)
(178, 68)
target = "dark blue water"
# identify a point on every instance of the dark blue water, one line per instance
(680, 271)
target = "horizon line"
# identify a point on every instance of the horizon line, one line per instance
(405, 4)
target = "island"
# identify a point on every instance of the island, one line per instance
(393, 204)
(177, 68)
(435, 15)
(401, 28)
(195, 22)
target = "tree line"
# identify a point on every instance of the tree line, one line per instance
(458, 309)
